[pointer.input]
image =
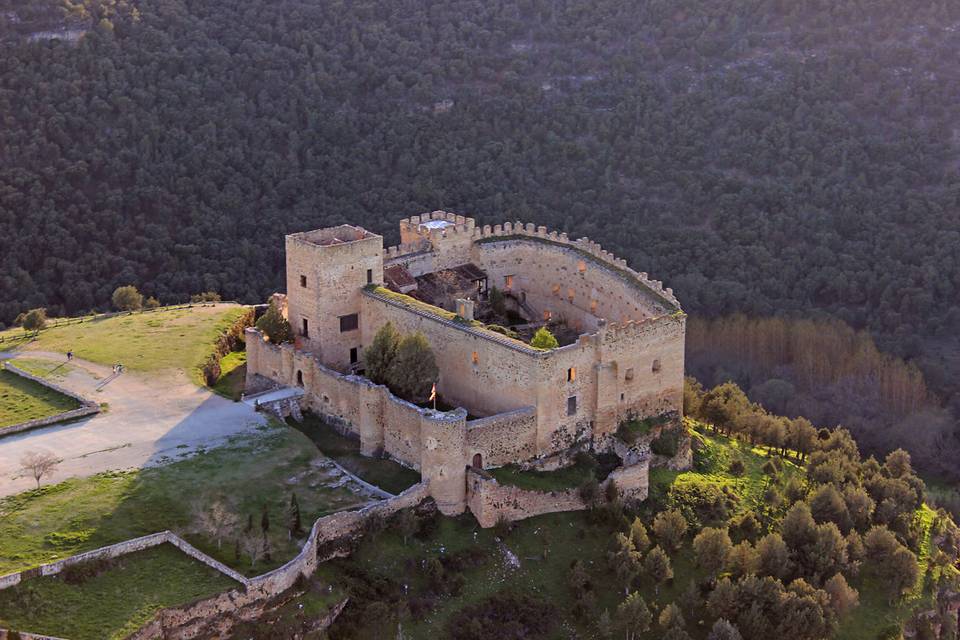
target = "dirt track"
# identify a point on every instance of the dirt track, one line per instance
(150, 417)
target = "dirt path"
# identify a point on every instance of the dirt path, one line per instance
(149, 418)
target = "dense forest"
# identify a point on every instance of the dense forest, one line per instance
(826, 372)
(767, 157)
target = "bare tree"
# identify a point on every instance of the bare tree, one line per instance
(254, 546)
(38, 464)
(215, 518)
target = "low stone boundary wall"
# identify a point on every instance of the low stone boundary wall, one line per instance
(87, 407)
(329, 537)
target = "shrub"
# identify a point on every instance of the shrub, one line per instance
(668, 442)
(206, 296)
(151, 303)
(543, 339)
(274, 325)
(34, 320)
(737, 468)
(127, 298)
(504, 617)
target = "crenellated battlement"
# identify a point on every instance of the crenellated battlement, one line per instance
(584, 245)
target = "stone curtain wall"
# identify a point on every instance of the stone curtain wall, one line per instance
(489, 500)
(503, 438)
(431, 442)
(504, 377)
(87, 407)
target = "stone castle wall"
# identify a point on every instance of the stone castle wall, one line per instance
(436, 443)
(489, 501)
(504, 438)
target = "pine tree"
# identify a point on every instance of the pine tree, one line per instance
(274, 325)
(413, 371)
(378, 357)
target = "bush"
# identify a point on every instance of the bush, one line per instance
(127, 298)
(737, 468)
(668, 442)
(543, 339)
(151, 303)
(34, 320)
(504, 617)
(206, 296)
(275, 326)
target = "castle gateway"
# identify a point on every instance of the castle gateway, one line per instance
(478, 295)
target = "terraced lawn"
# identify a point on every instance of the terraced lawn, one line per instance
(122, 597)
(22, 400)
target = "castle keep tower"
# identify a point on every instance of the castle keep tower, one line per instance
(326, 271)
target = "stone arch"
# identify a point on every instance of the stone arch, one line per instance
(299, 378)
(477, 461)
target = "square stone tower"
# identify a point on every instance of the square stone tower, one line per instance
(326, 271)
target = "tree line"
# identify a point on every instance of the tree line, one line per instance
(761, 156)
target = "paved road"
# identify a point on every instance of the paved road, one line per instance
(149, 418)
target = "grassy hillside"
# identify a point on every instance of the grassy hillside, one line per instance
(115, 601)
(177, 339)
(60, 520)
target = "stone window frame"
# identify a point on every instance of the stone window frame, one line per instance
(572, 374)
(305, 327)
(303, 281)
(628, 376)
(656, 366)
(572, 406)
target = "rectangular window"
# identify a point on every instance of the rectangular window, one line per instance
(476, 358)
(581, 266)
(303, 281)
(508, 282)
(593, 306)
(570, 294)
(656, 366)
(546, 315)
(571, 374)
(354, 355)
(305, 328)
(572, 405)
(349, 323)
(629, 375)
(369, 276)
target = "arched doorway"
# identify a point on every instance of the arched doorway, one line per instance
(477, 461)
(299, 378)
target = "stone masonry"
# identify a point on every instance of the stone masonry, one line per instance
(530, 404)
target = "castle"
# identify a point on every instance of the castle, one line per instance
(477, 294)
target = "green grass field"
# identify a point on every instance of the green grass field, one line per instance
(114, 603)
(60, 520)
(386, 474)
(233, 374)
(179, 339)
(22, 400)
